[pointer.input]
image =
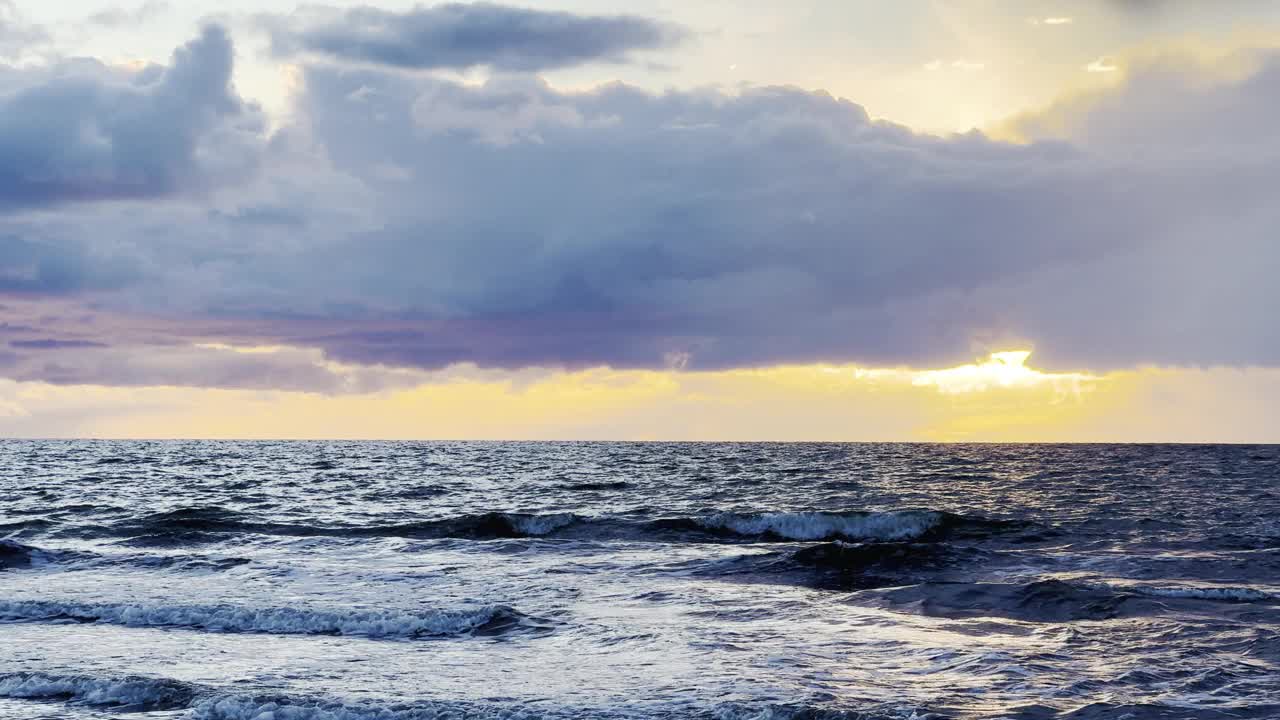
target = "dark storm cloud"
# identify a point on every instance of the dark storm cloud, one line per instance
(83, 131)
(458, 36)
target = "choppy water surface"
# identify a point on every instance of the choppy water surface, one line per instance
(390, 581)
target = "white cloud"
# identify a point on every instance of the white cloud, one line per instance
(1101, 65)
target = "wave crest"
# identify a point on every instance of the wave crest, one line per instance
(132, 692)
(488, 619)
(858, 526)
(14, 555)
(896, 525)
(1220, 593)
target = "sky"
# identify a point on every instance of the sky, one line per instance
(937, 220)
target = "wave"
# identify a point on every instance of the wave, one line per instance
(1041, 601)
(1219, 593)
(1048, 600)
(245, 707)
(734, 711)
(845, 566)
(133, 693)
(209, 524)
(598, 486)
(195, 525)
(891, 526)
(861, 557)
(857, 526)
(143, 694)
(14, 555)
(187, 563)
(390, 624)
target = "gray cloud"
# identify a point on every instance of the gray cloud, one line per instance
(84, 346)
(121, 16)
(83, 131)
(459, 36)
(409, 221)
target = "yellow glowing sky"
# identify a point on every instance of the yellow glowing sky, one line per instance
(1001, 399)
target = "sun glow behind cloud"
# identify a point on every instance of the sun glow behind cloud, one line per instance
(1002, 370)
(1000, 399)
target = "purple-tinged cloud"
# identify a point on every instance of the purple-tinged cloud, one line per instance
(457, 36)
(404, 220)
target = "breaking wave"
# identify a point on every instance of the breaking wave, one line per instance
(128, 692)
(890, 526)
(487, 620)
(856, 526)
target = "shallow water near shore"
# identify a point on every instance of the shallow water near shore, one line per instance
(364, 580)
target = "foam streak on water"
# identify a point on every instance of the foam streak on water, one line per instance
(401, 581)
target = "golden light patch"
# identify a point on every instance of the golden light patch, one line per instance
(1000, 399)
(1001, 370)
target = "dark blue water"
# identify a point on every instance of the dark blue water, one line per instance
(389, 581)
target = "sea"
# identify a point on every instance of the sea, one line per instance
(749, 581)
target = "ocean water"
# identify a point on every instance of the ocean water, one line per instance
(398, 581)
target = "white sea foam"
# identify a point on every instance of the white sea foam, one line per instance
(898, 525)
(290, 621)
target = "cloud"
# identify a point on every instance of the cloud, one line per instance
(125, 17)
(1153, 9)
(16, 33)
(83, 131)
(1101, 65)
(84, 362)
(459, 36)
(55, 344)
(403, 220)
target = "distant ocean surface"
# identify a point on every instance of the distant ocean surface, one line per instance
(404, 581)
